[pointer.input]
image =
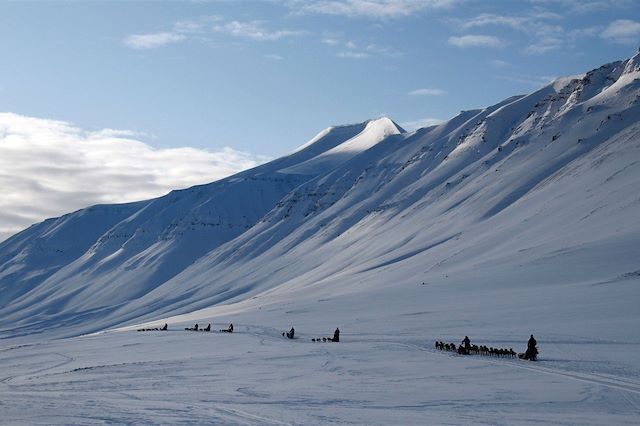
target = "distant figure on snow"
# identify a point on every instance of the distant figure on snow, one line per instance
(164, 328)
(228, 330)
(291, 333)
(336, 335)
(532, 351)
(466, 342)
(208, 328)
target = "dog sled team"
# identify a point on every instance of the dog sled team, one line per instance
(466, 348)
(207, 329)
(196, 327)
(336, 336)
(165, 328)
(289, 334)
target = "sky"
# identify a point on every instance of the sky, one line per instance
(113, 101)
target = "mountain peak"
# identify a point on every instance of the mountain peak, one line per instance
(369, 133)
(633, 63)
(386, 124)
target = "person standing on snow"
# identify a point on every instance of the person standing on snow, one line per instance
(532, 350)
(466, 342)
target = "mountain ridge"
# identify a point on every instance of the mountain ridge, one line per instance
(476, 189)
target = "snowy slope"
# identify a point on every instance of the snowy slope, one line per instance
(86, 264)
(510, 194)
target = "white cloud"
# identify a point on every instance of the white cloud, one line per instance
(153, 40)
(487, 19)
(427, 92)
(200, 28)
(500, 63)
(189, 27)
(254, 30)
(49, 167)
(474, 40)
(380, 9)
(544, 36)
(534, 81)
(352, 55)
(582, 33)
(533, 23)
(376, 49)
(410, 126)
(588, 6)
(544, 45)
(330, 41)
(623, 31)
(528, 23)
(356, 52)
(273, 56)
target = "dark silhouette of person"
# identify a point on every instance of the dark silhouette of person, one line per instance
(532, 350)
(195, 328)
(466, 342)
(227, 330)
(336, 335)
(164, 328)
(208, 327)
(291, 333)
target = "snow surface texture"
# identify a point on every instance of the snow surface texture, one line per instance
(519, 218)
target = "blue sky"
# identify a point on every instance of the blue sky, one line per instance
(104, 102)
(265, 76)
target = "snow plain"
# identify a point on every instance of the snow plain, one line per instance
(516, 219)
(374, 376)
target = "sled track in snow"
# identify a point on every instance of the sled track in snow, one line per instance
(67, 360)
(592, 378)
(235, 413)
(616, 383)
(273, 334)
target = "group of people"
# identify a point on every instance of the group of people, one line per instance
(466, 348)
(336, 336)
(289, 334)
(208, 329)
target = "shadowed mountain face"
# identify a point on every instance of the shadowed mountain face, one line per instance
(534, 191)
(103, 257)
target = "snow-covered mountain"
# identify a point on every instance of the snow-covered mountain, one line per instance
(533, 201)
